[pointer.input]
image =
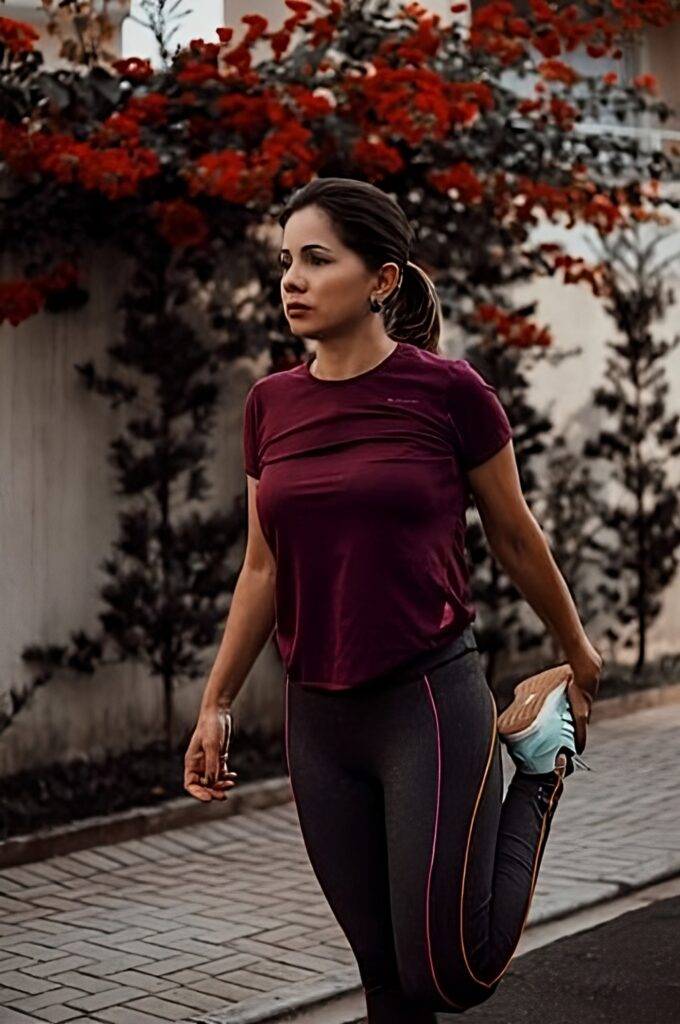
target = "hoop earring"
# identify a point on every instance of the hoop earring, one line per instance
(376, 307)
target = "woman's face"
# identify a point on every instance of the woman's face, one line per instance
(331, 280)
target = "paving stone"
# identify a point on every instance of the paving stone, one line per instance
(31, 1004)
(85, 1020)
(13, 963)
(57, 1013)
(172, 963)
(162, 1008)
(126, 1015)
(25, 982)
(110, 997)
(10, 1016)
(84, 982)
(147, 982)
(193, 999)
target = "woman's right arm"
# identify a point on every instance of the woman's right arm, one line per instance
(251, 616)
(249, 624)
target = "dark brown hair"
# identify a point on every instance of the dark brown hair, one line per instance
(370, 223)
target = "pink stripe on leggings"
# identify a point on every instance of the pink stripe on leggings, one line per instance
(434, 843)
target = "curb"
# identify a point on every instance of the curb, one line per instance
(106, 830)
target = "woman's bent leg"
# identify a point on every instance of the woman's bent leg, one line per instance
(463, 862)
(341, 812)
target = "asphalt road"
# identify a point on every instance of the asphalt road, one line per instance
(623, 971)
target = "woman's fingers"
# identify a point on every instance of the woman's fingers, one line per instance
(193, 786)
(205, 791)
(196, 782)
(206, 772)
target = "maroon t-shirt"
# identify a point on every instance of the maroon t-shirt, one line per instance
(361, 497)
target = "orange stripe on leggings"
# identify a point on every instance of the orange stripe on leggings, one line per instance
(479, 981)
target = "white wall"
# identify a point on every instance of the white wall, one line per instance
(204, 17)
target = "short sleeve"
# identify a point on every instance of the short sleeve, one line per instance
(251, 444)
(480, 424)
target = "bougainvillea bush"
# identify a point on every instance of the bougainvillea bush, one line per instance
(185, 167)
(208, 147)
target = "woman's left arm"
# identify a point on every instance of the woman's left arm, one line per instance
(520, 546)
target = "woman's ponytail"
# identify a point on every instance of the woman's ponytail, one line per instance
(412, 312)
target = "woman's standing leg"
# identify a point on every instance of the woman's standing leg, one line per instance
(341, 812)
(463, 862)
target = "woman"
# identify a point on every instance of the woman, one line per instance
(360, 464)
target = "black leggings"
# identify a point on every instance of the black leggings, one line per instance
(398, 787)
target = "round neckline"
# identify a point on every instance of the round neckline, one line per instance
(357, 376)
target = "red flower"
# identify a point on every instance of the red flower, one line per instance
(115, 172)
(248, 115)
(220, 174)
(17, 36)
(464, 114)
(300, 7)
(119, 126)
(257, 26)
(558, 71)
(493, 15)
(18, 150)
(195, 72)
(548, 43)
(377, 157)
(463, 179)
(519, 27)
(208, 51)
(134, 68)
(149, 109)
(648, 82)
(564, 114)
(513, 328)
(279, 42)
(307, 103)
(19, 300)
(180, 223)
(601, 212)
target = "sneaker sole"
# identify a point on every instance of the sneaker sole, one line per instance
(529, 697)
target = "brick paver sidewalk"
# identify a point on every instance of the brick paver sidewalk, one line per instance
(226, 922)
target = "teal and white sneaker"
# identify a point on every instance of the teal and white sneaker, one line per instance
(536, 749)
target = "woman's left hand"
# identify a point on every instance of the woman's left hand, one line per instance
(586, 665)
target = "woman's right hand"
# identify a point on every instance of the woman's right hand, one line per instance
(206, 771)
